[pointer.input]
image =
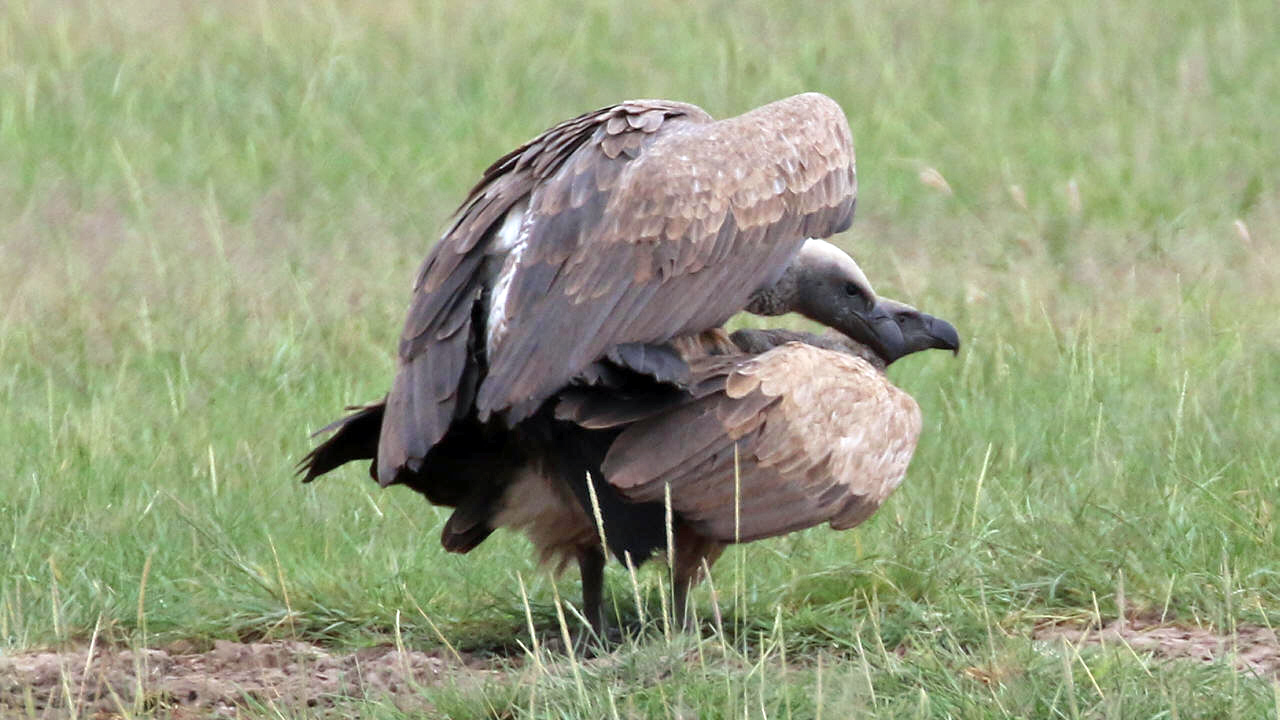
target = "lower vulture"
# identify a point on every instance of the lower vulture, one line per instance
(809, 424)
(775, 431)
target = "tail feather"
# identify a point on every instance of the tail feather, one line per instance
(468, 526)
(355, 437)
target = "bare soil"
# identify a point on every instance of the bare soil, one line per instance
(181, 682)
(1251, 649)
(178, 682)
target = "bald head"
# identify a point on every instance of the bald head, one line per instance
(821, 258)
(825, 285)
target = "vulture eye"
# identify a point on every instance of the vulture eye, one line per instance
(852, 290)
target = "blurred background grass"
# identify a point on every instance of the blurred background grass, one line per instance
(210, 215)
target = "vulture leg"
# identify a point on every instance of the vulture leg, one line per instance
(690, 551)
(680, 595)
(591, 565)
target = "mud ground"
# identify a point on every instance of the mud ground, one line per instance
(181, 683)
(1252, 649)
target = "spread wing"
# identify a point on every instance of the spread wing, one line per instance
(632, 224)
(654, 229)
(821, 436)
(438, 372)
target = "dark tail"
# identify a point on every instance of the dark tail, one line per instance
(468, 526)
(355, 437)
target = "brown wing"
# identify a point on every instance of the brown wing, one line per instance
(671, 242)
(640, 222)
(821, 437)
(438, 374)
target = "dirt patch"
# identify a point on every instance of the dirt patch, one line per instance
(181, 683)
(1250, 649)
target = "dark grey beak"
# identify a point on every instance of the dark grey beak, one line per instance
(879, 330)
(941, 334)
(921, 331)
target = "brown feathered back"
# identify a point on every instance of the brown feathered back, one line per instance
(820, 436)
(635, 223)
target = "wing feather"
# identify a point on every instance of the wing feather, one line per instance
(645, 221)
(821, 436)
(705, 214)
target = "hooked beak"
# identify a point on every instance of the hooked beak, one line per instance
(940, 334)
(878, 330)
(922, 331)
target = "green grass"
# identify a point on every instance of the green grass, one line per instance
(210, 215)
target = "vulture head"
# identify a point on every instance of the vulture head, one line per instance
(920, 331)
(824, 284)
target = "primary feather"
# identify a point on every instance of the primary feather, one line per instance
(636, 223)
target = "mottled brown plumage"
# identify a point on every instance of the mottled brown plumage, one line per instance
(822, 437)
(777, 431)
(810, 424)
(584, 265)
(636, 223)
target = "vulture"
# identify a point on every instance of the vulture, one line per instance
(775, 431)
(593, 257)
(580, 253)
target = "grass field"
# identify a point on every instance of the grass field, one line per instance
(210, 216)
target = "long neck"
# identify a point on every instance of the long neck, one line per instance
(758, 341)
(779, 299)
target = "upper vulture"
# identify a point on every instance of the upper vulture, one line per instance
(622, 228)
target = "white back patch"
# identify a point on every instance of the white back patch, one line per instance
(512, 238)
(510, 233)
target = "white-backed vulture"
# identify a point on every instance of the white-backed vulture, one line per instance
(622, 228)
(777, 432)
